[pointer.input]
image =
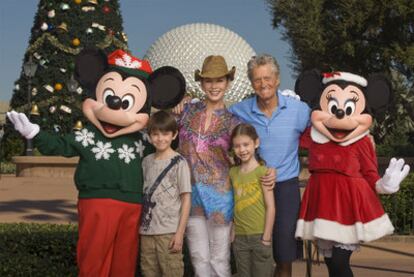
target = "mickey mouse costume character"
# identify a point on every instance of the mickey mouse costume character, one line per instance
(109, 174)
(340, 207)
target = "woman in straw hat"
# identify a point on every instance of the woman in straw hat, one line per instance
(205, 129)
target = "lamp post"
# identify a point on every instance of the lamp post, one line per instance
(72, 85)
(29, 69)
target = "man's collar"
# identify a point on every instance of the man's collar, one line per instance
(282, 100)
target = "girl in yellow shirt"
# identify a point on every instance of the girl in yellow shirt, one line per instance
(254, 206)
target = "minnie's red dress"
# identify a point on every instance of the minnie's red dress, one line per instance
(340, 203)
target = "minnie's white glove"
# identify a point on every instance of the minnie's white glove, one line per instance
(394, 174)
(23, 125)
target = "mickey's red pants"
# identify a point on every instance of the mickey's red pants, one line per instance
(108, 237)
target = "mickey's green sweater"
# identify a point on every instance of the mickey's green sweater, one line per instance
(107, 168)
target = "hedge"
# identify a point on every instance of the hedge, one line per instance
(28, 249)
(38, 250)
(400, 207)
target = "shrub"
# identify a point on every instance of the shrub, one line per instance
(397, 150)
(37, 250)
(7, 168)
(28, 249)
(400, 207)
(12, 144)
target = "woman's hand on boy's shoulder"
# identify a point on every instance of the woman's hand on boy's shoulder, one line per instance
(269, 179)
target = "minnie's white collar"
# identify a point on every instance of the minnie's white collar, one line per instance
(318, 137)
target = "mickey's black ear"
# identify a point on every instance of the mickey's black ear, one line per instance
(309, 87)
(167, 87)
(90, 64)
(378, 93)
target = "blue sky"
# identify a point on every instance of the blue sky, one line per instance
(145, 21)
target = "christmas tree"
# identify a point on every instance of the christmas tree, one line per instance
(46, 90)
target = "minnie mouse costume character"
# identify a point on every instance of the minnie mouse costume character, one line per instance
(340, 207)
(109, 174)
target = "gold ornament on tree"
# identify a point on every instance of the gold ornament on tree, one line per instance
(75, 42)
(78, 125)
(58, 86)
(35, 110)
(77, 1)
(63, 27)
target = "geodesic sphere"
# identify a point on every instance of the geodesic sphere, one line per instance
(187, 46)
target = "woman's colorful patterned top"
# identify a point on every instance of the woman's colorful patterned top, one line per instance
(207, 152)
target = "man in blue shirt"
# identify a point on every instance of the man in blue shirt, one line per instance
(279, 121)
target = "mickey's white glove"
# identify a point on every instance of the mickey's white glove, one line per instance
(23, 125)
(394, 174)
(290, 93)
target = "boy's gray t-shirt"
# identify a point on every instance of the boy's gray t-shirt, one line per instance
(165, 215)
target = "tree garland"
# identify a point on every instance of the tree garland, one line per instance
(109, 39)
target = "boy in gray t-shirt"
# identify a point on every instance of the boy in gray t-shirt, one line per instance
(167, 201)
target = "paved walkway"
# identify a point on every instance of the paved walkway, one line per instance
(51, 200)
(38, 200)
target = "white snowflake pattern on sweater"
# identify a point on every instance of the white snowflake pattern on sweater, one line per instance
(139, 148)
(145, 136)
(103, 150)
(85, 137)
(126, 153)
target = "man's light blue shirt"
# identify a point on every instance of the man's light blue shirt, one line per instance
(279, 135)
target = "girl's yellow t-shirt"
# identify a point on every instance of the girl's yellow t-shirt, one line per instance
(249, 205)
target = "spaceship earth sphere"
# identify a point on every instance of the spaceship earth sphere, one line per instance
(185, 48)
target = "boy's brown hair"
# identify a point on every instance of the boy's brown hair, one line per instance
(162, 121)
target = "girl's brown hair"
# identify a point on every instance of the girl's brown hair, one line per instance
(246, 130)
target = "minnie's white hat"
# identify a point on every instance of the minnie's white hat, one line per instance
(344, 76)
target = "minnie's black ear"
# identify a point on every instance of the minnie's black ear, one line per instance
(167, 87)
(378, 93)
(309, 87)
(90, 64)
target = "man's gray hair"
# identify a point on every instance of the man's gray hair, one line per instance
(262, 59)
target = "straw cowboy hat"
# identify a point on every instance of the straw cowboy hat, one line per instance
(214, 67)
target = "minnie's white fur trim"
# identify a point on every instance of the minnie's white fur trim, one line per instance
(320, 138)
(352, 140)
(356, 233)
(346, 76)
